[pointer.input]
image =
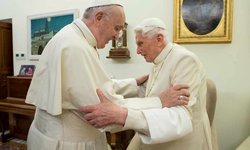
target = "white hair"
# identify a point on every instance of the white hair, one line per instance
(151, 27)
(90, 12)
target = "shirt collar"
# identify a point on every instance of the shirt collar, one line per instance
(86, 32)
(164, 53)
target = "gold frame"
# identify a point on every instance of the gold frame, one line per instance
(221, 34)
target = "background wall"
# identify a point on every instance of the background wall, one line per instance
(226, 64)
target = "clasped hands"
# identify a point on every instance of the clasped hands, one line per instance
(106, 112)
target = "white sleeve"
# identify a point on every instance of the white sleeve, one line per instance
(135, 121)
(166, 124)
(130, 103)
(126, 87)
(133, 103)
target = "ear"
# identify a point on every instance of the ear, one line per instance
(160, 38)
(99, 16)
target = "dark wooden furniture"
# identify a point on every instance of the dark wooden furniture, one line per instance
(6, 56)
(120, 140)
(20, 114)
(6, 60)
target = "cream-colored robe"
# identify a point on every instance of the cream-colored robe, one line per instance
(66, 77)
(167, 126)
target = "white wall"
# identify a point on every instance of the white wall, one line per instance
(226, 64)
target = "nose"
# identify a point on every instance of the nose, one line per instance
(117, 34)
(138, 50)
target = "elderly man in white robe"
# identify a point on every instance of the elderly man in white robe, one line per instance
(166, 128)
(67, 76)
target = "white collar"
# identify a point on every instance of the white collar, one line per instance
(86, 32)
(164, 53)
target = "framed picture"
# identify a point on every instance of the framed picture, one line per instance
(203, 21)
(41, 28)
(26, 70)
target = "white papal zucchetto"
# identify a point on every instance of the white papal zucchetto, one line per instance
(95, 3)
(152, 22)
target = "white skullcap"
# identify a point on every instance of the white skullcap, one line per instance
(153, 23)
(95, 3)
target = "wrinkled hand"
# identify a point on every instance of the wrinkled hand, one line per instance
(171, 96)
(141, 80)
(104, 113)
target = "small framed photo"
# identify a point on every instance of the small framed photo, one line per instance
(26, 70)
(41, 28)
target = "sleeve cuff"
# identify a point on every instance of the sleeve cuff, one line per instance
(143, 103)
(136, 121)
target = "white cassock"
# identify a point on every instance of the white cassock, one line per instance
(176, 128)
(67, 76)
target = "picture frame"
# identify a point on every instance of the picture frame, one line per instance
(203, 21)
(26, 70)
(41, 28)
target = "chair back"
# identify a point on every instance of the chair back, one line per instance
(211, 100)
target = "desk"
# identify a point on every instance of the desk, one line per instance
(245, 145)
